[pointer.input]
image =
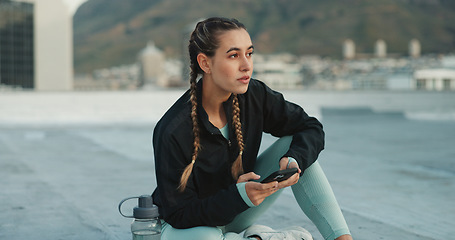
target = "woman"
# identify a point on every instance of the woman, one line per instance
(206, 148)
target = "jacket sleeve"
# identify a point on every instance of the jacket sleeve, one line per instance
(283, 118)
(185, 209)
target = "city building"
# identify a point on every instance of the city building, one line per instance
(152, 60)
(151, 70)
(348, 49)
(16, 44)
(434, 79)
(123, 77)
(280, 71)
(380, 49)
(36, 46)
(414, 48)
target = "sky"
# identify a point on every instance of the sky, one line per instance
(74, 4)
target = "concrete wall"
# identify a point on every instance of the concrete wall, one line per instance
(53, 46)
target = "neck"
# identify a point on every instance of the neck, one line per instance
(212, 102)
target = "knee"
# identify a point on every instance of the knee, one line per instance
(209, 233)
(286, 141)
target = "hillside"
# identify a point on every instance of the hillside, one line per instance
(111, 32)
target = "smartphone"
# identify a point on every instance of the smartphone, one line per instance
(280, 175)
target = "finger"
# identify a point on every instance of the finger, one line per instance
(284, 163)
(294, 165)
(290, 181)
(247, 177)
(266, 191)
(257, 192)
(258, 196)
(267, 186)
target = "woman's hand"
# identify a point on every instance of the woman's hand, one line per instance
(284, 162)
(256, 191)
(247, 177)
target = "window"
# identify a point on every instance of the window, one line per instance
(16, 44)
(421, 84)
(446, 84)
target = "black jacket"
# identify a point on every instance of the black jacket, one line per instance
(211, 197)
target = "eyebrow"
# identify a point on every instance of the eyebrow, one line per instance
(238, 49)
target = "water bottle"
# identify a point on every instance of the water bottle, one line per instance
(146, 224)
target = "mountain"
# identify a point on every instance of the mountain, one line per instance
(112, 32)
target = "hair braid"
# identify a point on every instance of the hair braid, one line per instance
(237, 166)
(196, 142)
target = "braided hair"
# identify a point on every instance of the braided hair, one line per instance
(204, 40)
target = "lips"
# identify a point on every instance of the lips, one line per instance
(244, 79)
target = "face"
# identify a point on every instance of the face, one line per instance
(229, 70)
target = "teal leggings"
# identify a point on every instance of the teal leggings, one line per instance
(313, 194)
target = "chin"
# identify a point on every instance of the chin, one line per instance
(241, 90)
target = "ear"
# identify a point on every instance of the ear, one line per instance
(204, 62)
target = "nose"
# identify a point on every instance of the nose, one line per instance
(246, 64)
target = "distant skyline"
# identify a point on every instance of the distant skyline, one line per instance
(73, 4)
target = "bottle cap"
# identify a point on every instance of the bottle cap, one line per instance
(145, 208)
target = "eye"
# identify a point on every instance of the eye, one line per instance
(233, 55)
(250, 54)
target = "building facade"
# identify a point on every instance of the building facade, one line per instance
(414, 48)
(434, 79)
(36, 45)
(348, 49)
(17, 56)
(380, 49)
(152, 62)
(279, 71)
